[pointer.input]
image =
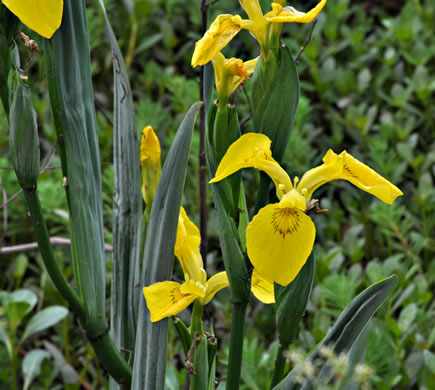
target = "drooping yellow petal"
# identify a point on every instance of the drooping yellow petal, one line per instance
(164, 299)
(346, 167)
(187, 249)
(279, 241)
(253, 150)
(231, 73)
(292, 15)
(150, 163)
(262, 287)
(220, 33)
(42, 16)
(214, 284)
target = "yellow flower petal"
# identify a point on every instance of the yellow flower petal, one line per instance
(346, 167)
(250, 65)
(279, 241)
(231, 73)
(214, 284)
(262, 288)
(220, 33)
(42, 16)
(187, 249)
(292, 15)
(254, 11)
(164, 299)
(150, 147)
(253, 150)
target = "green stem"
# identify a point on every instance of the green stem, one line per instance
(236, 345)
(103, 345)
(112, 360)
(14, 362)
(196, 320)
(280, 362)
(53, 269)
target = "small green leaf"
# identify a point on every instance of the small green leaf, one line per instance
(407, 316)
(43, 320)
(17, 305)
(31, 366)
(429, 360)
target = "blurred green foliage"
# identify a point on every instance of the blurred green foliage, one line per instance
(367, 85)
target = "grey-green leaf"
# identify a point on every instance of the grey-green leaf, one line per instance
(68, 64)
(31, 366)
(149, 361)
(43, 320)
(127, 206)
(348, 326)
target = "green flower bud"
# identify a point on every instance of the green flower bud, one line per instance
(23, 137)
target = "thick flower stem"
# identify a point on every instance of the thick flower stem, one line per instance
(103, 344)
(279, 366)
(236, 345)
(53, 269)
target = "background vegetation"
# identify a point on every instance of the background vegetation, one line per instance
(367, 86)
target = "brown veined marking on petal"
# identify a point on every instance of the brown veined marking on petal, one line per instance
(286, 220)
(176, 295)
(349, 171)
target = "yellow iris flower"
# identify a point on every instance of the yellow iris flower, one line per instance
(280, 237)
(150, 163)
(42, 16)
(225, 27)
(230, 73)
(165, 299)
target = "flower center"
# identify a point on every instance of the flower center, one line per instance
(286, 220)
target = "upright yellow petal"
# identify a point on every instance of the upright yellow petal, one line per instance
(214, 284)
(42, 16)
(262, 288)
(250, 65)
(346, 167)
(164, 299)
(292, 15)
(220, 33)
(254, 11)
(252, 150)
(279, 241)
(187, 249)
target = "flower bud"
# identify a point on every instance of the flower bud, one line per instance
(150, 162)
(23, 137)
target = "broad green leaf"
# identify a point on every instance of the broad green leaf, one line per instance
(275, 97)
(43, 320)
(347, 328)
(127, 206)
(71, 95)
(150, 353)
(31, 366)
